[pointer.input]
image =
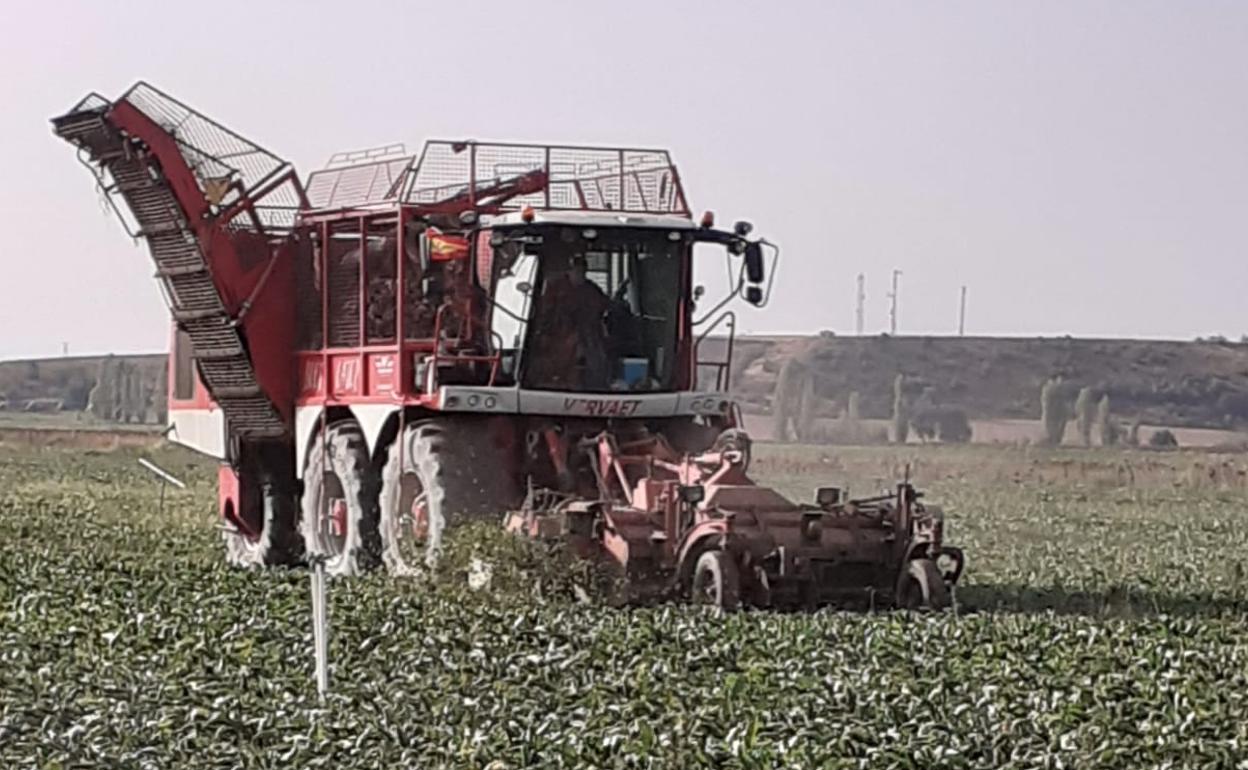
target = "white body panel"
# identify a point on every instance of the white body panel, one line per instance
(306, 420)
(372, 418)
(555, 404)
(484, 400)
(202, 430)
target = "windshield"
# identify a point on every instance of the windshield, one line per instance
(604, 310)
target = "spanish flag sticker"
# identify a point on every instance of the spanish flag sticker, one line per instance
(445, 248)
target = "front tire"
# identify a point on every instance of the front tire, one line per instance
(439, 473)
(339, 519)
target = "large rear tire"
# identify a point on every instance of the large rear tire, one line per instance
(439, 473)
(339, 517)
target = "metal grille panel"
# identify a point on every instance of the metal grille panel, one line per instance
(193, 297)
(596, 179)
(344, 290)
(357, 185)
(475, 173)
(218, 156)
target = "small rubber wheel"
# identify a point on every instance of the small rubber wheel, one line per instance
(716, 581)
(921, 586)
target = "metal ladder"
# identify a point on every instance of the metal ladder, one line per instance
(194, 299)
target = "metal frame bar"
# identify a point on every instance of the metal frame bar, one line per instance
(400, 310)
(325, 346)
(362, 286)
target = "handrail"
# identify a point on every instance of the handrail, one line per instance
(724, 368)
(494, 359)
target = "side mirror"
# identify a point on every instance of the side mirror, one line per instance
(698, 291)
(524, 287)
(754, 262)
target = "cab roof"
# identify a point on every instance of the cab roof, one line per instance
(592, 219)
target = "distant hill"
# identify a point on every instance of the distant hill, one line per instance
(1192, 384)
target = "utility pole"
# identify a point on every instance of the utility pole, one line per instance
(64, 349)
(862, 303)
(962, 314)
(892, 307)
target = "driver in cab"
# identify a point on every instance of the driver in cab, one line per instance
(573, 336)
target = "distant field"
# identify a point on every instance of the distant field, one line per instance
(79, 421)
(1021, 431)
(1004, 431)
(1100, 624)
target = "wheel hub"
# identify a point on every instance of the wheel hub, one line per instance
(338, 517)
(419, 518)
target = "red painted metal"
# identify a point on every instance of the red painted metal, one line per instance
(456, 335)
(785, 551)
(362, 277)
(338, 517)
(229, 500)
(238, 216)
(238, 260)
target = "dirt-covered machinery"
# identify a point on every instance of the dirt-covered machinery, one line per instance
(402, 340)
(696, 526)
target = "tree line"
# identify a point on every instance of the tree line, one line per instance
(797, 410)
(121, 393)
(1092, 416)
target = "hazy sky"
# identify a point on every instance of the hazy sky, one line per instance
(1082, 167)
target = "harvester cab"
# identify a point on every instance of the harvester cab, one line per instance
(599, 303)
(400, 340)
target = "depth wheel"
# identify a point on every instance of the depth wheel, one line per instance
(339, 516)
(439, 473)
(716, 581)
(921, 586)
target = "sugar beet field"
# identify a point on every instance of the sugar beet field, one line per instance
(1103, 622)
